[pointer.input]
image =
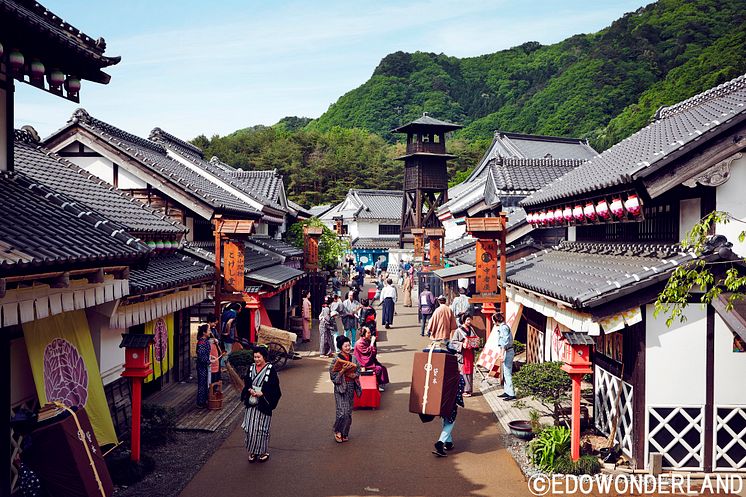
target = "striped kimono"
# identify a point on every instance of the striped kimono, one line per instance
(258, 418)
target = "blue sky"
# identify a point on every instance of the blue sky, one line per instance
(195, 67)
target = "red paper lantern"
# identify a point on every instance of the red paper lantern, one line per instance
(567, 214)
(617, 208)
(558, 217)
(543, 218)
(632, 204)
(589, 212)
(602, 209)
(577, 213)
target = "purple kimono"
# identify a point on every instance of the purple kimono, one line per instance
(365, 353)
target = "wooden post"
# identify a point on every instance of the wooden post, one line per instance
(418, 234)
(311, 236)
(490, 233)
(136, 416)
(575, 440)
(218, 270)
(436, 240)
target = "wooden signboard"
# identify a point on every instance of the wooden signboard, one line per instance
(233, 257)
(487, 261)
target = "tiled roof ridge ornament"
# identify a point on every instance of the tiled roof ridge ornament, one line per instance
(27, 134)
(157, 134)
(716, 92)
(80, 115)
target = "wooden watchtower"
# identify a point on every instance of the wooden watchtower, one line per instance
(425, 174)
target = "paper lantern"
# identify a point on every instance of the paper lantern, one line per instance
(589, 212)
(577, 213)
(530, 218)
(2, 50)
(16, 61)
(55, 78)
(151, 244)
(159, 245)
(567, 214)
(72, 85)
(37, 69)
(558, 218)
(543, 218)
(617, 209)
(602, 209)
(632, 204)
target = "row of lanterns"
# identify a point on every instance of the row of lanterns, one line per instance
(37, 71)
(162, 245)
(600, 211)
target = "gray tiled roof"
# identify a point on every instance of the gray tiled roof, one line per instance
(277, 246)
(170, 271)
(40, 227)
(454, 271)
(528, 175)
(373, 204)
(588, 274)
(318, 210)
(65, 177)
(675, 128)
(458, 245)
(274, 275)
(299, 208)
(379, 242)
(153, 156)
(426, 120)
(266, 183)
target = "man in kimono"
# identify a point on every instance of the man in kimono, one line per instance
(442, 322)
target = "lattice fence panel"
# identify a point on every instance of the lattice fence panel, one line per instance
(678, 434)
(16, 440)
(605, 408)
(730, 438)
(535, 345)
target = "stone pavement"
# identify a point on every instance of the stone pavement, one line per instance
(389, 449)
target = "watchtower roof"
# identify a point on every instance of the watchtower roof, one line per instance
(427, 123)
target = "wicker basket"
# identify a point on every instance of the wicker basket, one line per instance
(269, 334)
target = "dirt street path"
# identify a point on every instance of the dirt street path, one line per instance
(389, 449)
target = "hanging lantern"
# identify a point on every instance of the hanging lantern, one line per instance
(589, 212)
(72, 85)
(543, 218)
(632, 204)
(577, 213)
(558, 218)
(159, 245)
(151, 244)
(617, 209)
(37, 70)
(16, 61)
(55, 78)
(602, 209)
(530, 218)
(2, 50)
(567, 214)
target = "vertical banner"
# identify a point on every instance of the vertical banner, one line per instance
(486, 275)
(162, 351)
(233, 266)
(65, 369)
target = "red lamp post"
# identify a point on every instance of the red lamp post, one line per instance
(136, 367)
(577, 362)
(253, 305)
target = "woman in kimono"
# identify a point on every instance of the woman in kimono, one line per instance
(260, 395)
(366, 354)
(203, 365)
(461, 335)
(307, 317)
(344, 373)
(407, 289)
(326, 330)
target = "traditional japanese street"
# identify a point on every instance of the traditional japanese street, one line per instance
(389, 452)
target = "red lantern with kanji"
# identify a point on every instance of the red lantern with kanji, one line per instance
(567, 214)
(617, 208)
(602, 209)
(632, 204)
(577, 213)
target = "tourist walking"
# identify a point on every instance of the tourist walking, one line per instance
(445, 441)
(203, 365)
(366, 354)
(326, 330)
(427, 307)
(442, 322)
(465, 336)
(349, 314)
(505, 342)
(344, 373)
(260, 395)
(306, 315)
(407, 289)
(388, 302)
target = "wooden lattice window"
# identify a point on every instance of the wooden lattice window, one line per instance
(606, 405)
(611, 345)
(730, 438)
(534, 345)
(678, 434)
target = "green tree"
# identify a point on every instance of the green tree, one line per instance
(331, 247)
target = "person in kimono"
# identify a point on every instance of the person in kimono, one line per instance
(344, 373)
(461, 335)
(366, 354)
(203, 365)
(442, 322)
(326, 330)
(306, 315)
(260, 395)
(349, 314)
(407, 289)
(388, 302)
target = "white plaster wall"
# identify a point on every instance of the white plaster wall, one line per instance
(111, 357)
(352, 229)
(128, 181)
(367, 229)
(98, 166)
(690, 212)
(21, 380)
(453, 230)
(261, 228)
(675, 360)
(730, 368)
(731, 198)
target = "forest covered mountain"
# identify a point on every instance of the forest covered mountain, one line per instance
(602, 86)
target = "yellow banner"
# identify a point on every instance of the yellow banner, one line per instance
(65, 369)
(162, 351)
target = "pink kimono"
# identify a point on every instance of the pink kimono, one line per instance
(365, 353)
(306, 319)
